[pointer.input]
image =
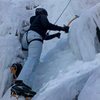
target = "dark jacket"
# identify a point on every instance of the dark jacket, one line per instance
(40, 24)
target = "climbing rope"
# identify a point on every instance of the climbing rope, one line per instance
(62, 12)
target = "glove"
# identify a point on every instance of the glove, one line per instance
(66, 29)
(58, 35)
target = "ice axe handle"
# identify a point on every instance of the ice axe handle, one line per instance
(76, 16)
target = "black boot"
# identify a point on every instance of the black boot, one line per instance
(21, 89)
(20, 83)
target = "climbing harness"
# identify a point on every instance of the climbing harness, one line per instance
(37, 39)
(28, 42)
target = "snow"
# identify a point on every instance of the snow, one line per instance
(91, 87)
(83, 45)
(9, 49)
(67, 84)
(6, 81)
(67, 64)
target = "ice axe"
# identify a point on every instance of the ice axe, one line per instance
(76, 16)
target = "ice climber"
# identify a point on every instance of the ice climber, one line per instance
(32, 42)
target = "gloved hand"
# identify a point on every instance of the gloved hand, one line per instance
(66, 28)
(58, 35)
